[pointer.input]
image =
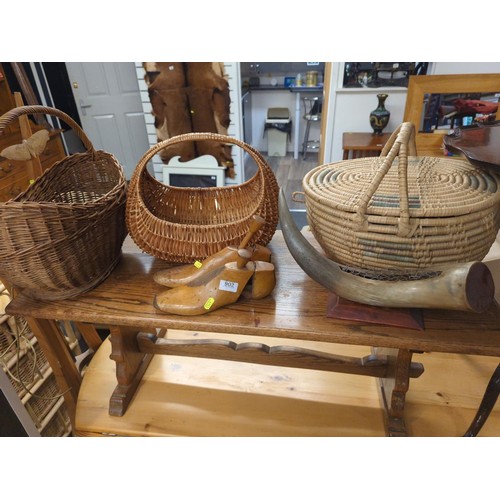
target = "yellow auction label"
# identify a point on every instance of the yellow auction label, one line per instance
(209, 303)
(197, 264)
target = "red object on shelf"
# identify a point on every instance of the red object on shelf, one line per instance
(475, 106)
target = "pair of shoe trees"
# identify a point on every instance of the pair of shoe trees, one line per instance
(219, 280)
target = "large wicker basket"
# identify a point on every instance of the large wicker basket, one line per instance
(63, 235)
(401, 211)
(181, 225)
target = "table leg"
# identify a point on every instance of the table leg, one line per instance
(296, 139)
(394, 387)
(130, 366)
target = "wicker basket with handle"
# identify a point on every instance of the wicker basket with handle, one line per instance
(180, 225)
(63, 235)
(401, 211)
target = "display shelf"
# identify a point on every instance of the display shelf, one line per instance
(32, 379)
(370, 90)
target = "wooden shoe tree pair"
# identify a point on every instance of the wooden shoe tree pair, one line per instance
(183, 275)
(219, 287)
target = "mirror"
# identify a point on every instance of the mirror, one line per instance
(438, 103)
(447, 111)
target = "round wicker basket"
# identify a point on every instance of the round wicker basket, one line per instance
(401, 211)
(63, 235)
(181, 225)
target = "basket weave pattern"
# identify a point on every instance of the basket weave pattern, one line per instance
(180, 225)
(403, 212)
(63, 235)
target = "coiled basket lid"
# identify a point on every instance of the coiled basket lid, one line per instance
(403, 211)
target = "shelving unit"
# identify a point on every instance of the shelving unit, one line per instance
(30, 376)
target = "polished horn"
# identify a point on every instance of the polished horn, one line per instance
(462, 286)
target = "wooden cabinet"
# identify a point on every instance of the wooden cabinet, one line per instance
(361, 144)
(15, 176)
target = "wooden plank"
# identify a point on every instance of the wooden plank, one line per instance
(185, 396)
(193, 397)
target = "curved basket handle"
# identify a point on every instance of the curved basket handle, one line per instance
(412, 147)
(15, 113)
(196, 136)
(134, 187)
(401, 143)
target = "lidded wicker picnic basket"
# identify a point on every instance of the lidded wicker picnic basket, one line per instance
(184, 224)
(63, 235)
(401, 211)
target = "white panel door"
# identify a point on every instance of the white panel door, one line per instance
(108, 100)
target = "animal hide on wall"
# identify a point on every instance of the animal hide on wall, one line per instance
(190, 97)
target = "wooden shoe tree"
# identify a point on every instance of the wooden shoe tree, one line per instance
(182, 275)
(216, 288)
(262, 283)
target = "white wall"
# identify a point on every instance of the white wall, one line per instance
(352, 109)
(461, 68)
(262, 100)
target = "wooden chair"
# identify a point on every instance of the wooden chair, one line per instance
(488, 402)
(312, 114)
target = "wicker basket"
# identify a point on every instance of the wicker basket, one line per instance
(63, 235)
(401, 211)
(180, 225)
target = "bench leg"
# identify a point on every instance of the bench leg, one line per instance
(130, 366)
(394, 387)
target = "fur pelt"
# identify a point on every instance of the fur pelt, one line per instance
(171, 113)
(190, 97)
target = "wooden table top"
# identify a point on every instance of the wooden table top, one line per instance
(364, 141)
(296, 309)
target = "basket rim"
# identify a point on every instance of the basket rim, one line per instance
(312, 192)
(51, 172)
(181, 225)
(136, 193)
(34, 109)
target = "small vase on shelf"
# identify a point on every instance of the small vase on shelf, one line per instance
(379, 117)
